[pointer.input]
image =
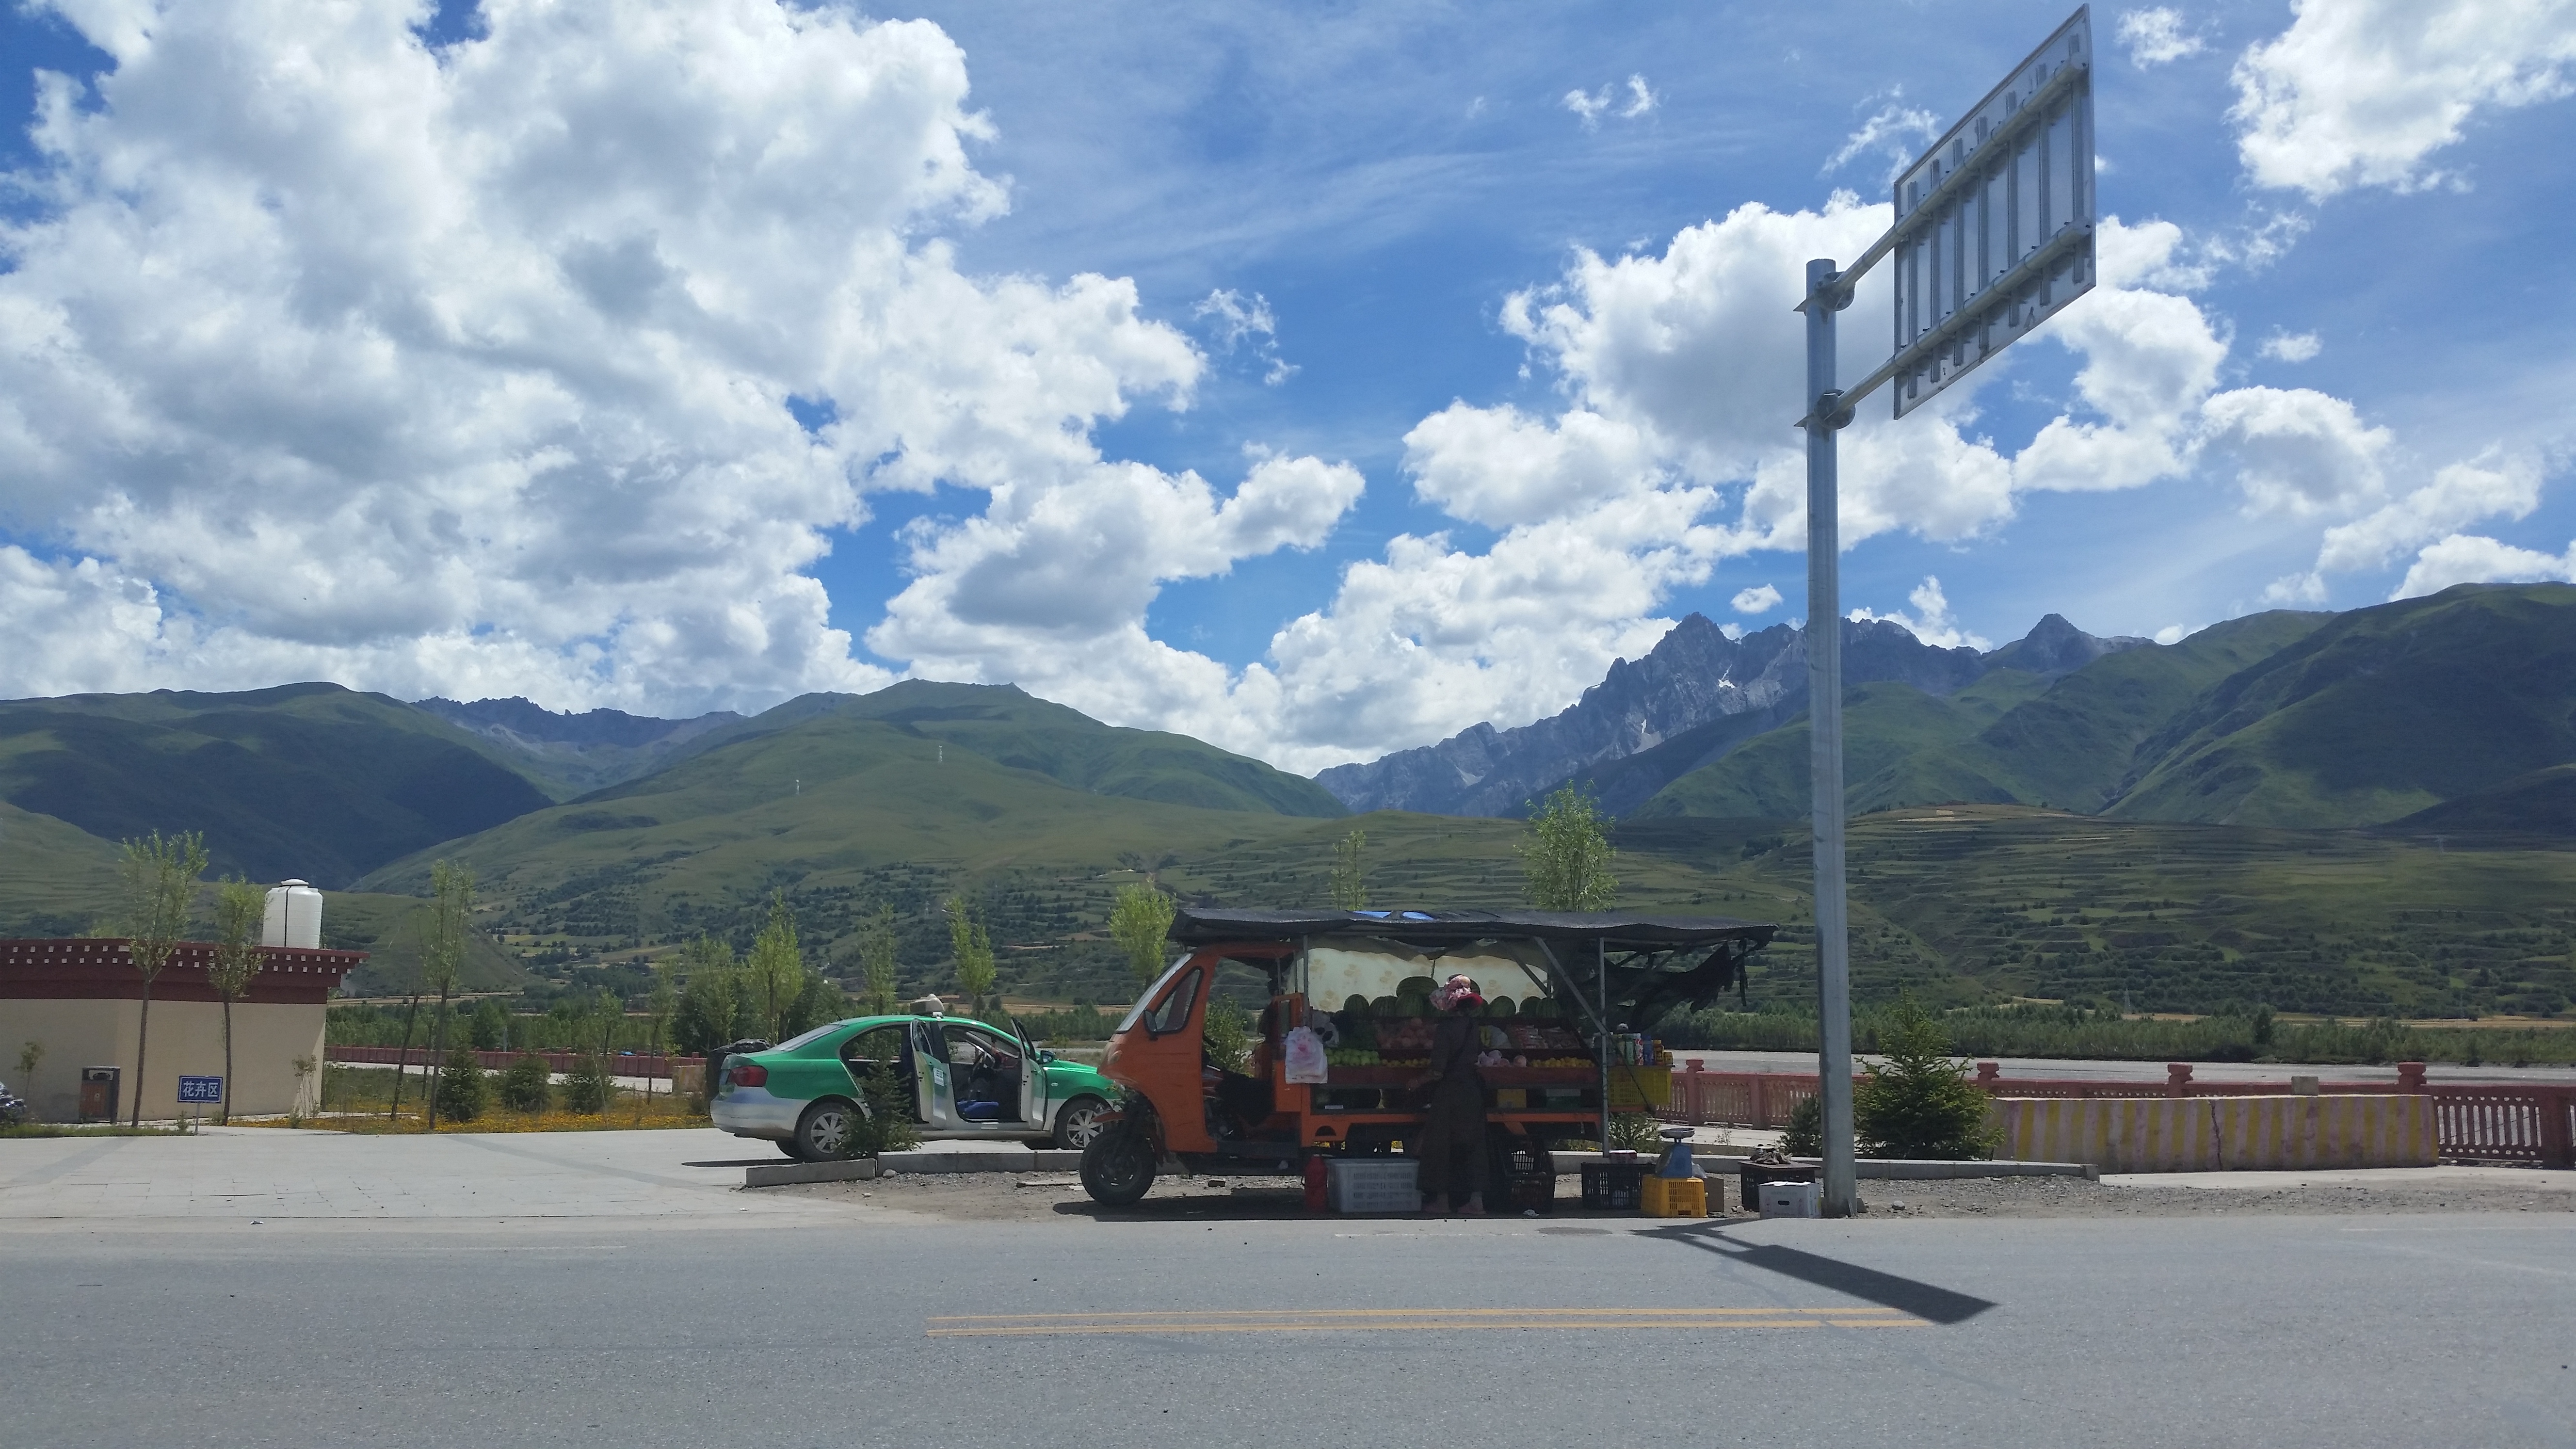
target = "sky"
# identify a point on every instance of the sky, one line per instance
(1315, 379)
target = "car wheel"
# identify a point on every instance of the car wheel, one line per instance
(1118, 1167)
(823, 1133)
(789, 1147)
(1077, 1123)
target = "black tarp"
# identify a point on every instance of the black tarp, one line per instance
(1210, 925)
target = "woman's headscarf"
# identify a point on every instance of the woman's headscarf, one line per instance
(1459, 993)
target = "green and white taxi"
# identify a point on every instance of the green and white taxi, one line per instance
(965, 1079)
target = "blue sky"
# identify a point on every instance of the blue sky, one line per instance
(323, 445)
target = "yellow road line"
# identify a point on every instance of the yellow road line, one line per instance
(1381, 1320)
(1837, 1310)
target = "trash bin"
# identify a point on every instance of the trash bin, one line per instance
(100, 1087)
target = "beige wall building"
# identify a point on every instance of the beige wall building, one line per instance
(80, 1002)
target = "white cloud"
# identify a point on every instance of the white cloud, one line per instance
(1931, 621)
(2361, 92)
(1240, 322)
(2490, 486)
(1897, 131)
(2292, 347)
(2297, 451)
(1590, 106)
(1760, 599)
(2469, 559)
(469, 372)
(2156, 36)
(2172, 634)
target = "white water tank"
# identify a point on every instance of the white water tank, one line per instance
(294, 916)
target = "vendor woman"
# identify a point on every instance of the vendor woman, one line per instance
(1453, 1131)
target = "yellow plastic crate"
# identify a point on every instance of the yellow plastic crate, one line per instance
(1675, 1197)
(1640, 1089)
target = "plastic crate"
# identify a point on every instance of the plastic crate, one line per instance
(1676, 1197)
(1371, 1185)
(1617, 1187)
(1789, 1200)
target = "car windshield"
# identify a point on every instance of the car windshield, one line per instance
(817, 1033)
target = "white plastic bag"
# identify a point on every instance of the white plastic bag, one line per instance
(1305, 1057)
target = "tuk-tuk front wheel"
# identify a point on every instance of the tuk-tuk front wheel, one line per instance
(1118, 1166)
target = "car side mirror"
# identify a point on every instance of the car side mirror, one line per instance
(1044, 1055)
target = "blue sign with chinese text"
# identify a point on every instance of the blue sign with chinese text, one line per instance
(201, 1089)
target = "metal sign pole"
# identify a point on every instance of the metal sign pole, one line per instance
(1825, 741)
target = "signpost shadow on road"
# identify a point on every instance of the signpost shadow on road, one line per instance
(1923, 1300)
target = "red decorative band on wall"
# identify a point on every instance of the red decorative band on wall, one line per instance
(98, 969)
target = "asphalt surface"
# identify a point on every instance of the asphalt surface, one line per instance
(646, 1303)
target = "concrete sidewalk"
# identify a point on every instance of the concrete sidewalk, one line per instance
(268, 1174)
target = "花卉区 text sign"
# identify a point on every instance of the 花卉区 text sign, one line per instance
(201, 1089)
(1994, 224)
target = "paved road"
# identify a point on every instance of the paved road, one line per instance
(2099, 1071)
(633, 1300)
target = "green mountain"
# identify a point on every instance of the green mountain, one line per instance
(2377, 714)
(2540, 803)
(2281, 719)
(305, 780)
(1013, 729)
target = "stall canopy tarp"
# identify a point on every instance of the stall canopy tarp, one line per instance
(1630, 968)
(1631, 930)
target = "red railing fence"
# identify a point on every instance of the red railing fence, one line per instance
(2481, 1121)
(629, 1064)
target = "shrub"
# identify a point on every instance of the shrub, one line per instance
(588, 1087)
(1920, 1103)
(1635, 1132)
(886, 1125)
(1805, 1134)
(462, 1092)
(1227, 1037)
(527, 1084)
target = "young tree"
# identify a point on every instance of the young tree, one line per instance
(527, 1083)
(877, 963)
(660, 1005)
(1920, 1102)
(442, 951)
(777, 967)
(489, 1028)
(1566, 854)
(402, 1057)
(973, 947)
(1350, 872)
(238, 908)
(159, 878)
(463, 1091)
(1138, 922)
(710, 992)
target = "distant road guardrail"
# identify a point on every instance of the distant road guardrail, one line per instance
(626, 1064)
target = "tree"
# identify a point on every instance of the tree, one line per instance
(489, 1028)
(973, 948)
(1138, 922)
(1350, 872)
(1566, 854)
(462, 1090)
(877, 963)
(527, 1083)
(159, 879)
(442, 952)
(710, 997)
(777, 967)
(660, 1005)
(1920, 1102)
(239, 906)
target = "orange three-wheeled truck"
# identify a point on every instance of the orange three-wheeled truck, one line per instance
(1568, 995)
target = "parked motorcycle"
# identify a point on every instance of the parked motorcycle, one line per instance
(13, 1112)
